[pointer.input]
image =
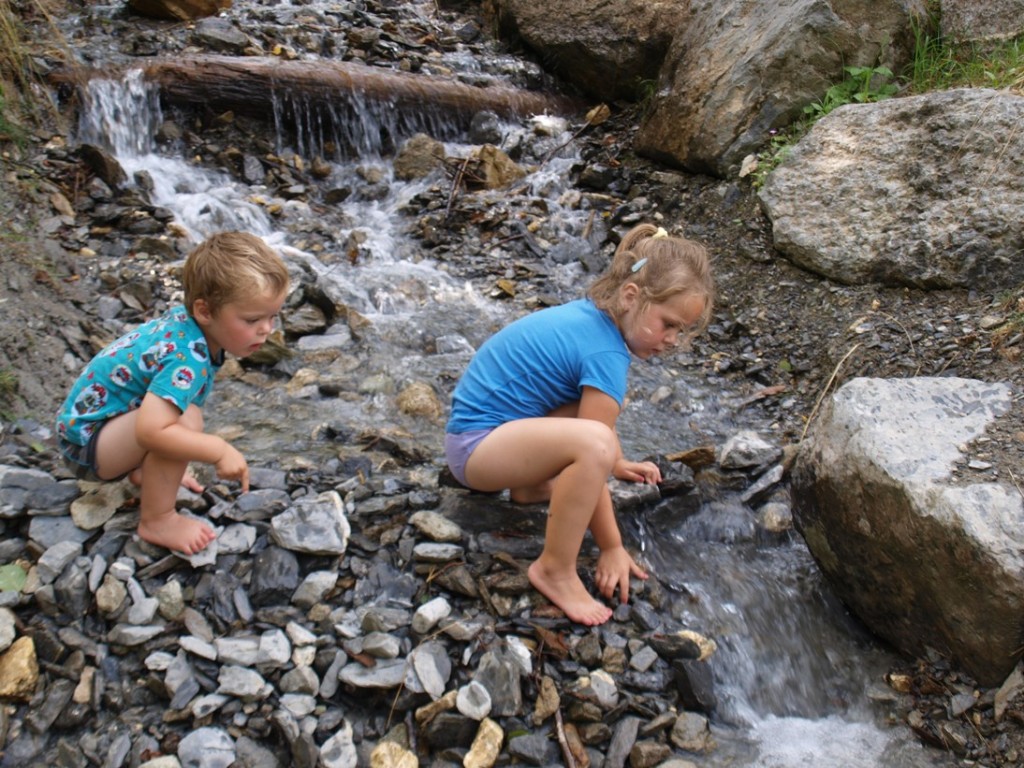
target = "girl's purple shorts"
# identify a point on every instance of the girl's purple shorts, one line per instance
(458, 448)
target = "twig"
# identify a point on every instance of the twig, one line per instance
(594, 117)
(828, 385)
(590, 225)
(1016, 483)
(570, 761)
(910, 339)
(410, 731)
(948, 363)
(456, 183)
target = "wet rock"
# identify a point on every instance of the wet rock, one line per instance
(419, 156)
(695, 683)
(420, 399)
(692, 732)
(746, 449)
(220, 35)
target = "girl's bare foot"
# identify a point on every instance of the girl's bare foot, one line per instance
(175, 531)
(568, 593)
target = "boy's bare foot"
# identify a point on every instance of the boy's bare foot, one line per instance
(569, 594)
(176, 531)
(188, 480)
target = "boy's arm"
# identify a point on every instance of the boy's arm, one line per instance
(158, 429)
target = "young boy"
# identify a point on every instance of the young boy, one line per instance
(135, 409)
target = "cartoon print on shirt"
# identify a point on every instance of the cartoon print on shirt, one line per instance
(183, 378)
(91, 399)
(121, 375)
(153, 356)
(199, 350)
(124, 341)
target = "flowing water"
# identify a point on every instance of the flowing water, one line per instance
(794, 674)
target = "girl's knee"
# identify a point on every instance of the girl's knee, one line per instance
(603, 444)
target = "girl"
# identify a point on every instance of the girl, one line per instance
(535, 411)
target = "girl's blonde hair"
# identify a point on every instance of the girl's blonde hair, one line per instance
(231, 266)
(661, 267)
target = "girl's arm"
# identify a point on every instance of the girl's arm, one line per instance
(614, 565)
(596, 405)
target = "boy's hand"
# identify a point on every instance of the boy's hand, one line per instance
(614, 567)
(232, 466)
(637, 471)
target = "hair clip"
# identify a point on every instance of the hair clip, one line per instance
(638, 266)
(659, 234)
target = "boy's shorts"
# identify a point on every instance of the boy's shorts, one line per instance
(458, 448)
(81, 459)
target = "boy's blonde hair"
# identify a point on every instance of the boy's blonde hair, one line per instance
(661, 267)
(230, 266)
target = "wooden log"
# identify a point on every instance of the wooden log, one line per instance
(354, 107)
(249, 85)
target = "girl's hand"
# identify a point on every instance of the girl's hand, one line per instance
(637, 471)
(614, 567)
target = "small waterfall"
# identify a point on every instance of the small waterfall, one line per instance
(122, 117)
(352, 126)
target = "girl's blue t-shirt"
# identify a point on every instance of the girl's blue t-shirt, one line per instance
(167, 356)
(538, 363)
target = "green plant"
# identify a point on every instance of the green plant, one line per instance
(10, 131)
(862, 85)
(780, 144)
(8, 384)
(645, 92)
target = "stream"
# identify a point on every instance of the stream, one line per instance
(799, 683)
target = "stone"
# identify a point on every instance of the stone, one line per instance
(19, 670)
(316, 526)
(925, 560)
(486, 746)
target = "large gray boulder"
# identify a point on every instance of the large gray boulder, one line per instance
(922, 191)
(982, 20)
(609, 50)
(922, 541)
(737, 70)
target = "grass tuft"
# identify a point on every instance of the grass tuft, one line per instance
(940, 64)
(23, 95)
